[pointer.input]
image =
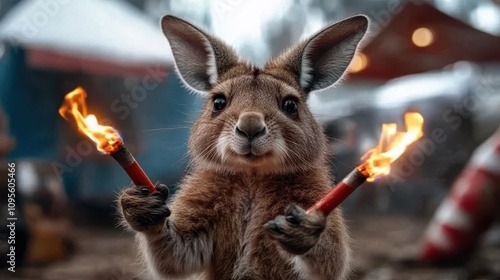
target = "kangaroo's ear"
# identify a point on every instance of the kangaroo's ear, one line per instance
(200, 58)
(321, 60)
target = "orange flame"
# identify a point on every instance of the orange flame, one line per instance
(74, 109)
(390, 146)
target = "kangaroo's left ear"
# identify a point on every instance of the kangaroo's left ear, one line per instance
(321, 60)
(201, 59)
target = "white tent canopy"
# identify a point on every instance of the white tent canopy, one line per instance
(104, 30)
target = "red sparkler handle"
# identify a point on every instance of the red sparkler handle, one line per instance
(133, 169)
(339, 193)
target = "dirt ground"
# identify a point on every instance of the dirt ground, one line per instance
(379, 245)
(385, 249)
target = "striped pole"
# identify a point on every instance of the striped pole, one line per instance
(468, 210)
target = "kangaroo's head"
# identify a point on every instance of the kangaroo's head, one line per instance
(256, 119)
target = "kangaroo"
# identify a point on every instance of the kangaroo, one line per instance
(258, 159)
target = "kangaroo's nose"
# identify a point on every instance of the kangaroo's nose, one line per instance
(251, 125)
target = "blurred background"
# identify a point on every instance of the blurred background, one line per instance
(440, 58)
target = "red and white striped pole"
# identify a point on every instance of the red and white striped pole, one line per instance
(468, 210)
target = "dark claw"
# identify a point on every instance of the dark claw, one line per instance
(163, 189)
(167, 211)
(143, 190)
(296, 231)
(143, 210)
(294, 214)
(282, 223)
(273, 228)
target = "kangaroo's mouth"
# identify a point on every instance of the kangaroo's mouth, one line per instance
(249, 151)
(254, 158)
(246, 152)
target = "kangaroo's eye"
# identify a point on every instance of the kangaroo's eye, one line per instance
(290, 106)
(219, 102)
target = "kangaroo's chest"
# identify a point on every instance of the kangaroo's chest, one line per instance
(242, 248)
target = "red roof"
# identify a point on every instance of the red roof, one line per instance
(391, 53)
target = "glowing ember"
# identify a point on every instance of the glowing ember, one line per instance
(74, 109)
(391, 145)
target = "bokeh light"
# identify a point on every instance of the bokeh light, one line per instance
(422, 37)
(359, 63)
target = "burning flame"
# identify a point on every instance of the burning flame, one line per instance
(74, 108)
(390, 146)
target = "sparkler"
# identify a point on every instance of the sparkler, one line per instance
(107, 139)
(377, 162)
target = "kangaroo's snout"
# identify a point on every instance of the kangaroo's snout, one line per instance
(250, 125)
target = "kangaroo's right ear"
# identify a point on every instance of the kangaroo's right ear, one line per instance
(200, 58)
(320, 61)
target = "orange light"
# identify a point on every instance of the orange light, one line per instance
(359, 63)
(391, 145)
(74, 109)
(422, 37)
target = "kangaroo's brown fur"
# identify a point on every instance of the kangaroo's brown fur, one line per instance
(251, 160)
